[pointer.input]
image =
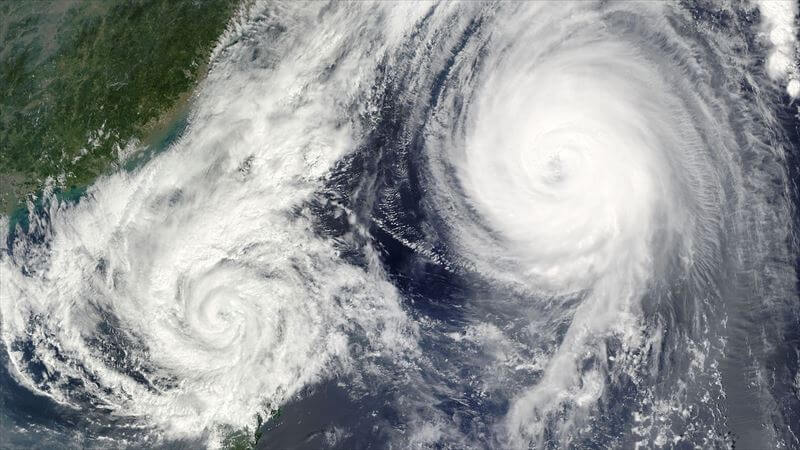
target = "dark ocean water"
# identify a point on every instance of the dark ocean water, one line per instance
(435, 226)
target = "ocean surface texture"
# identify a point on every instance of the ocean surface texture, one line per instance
(417, 225)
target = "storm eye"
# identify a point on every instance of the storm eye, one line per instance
(554, 169)
(400, 225)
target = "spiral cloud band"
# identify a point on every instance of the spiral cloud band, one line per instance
(588, 164)
(219, 298)
(505, 225)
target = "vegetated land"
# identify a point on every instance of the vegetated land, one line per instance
(80, 79)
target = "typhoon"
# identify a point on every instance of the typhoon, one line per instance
(434, 225)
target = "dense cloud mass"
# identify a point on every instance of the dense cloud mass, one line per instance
(483, 225)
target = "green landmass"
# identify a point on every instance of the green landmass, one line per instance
(246, 439)
(81, 79)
